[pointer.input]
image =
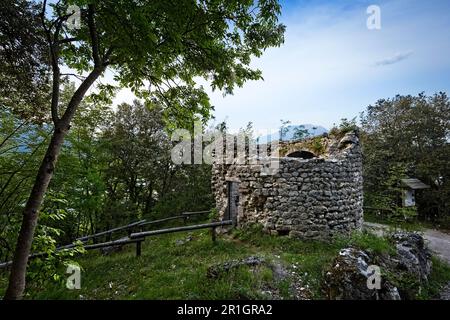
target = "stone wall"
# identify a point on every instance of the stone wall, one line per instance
(307, 198)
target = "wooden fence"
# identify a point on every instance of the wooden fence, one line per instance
(137, 237)
(140, 224)
(111, 231)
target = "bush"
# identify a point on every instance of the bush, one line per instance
(344, 127)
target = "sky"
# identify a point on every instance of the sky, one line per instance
(332, 66)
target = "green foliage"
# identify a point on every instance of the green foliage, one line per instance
(407, 136)
(389, 201)
(344, 127)
(411, 288)
(49, 266)
(407, 213)
(213, 215)
(155, 48)
(316, 145)
(115, 168)
(368, 242)
(170, 45)
(409, 285)
(311, 257)
(395, 224)
(242, 283)
(94, 181)
(439, 277)
(142, 171)
(147, 42)
(167, 270)
(52, 266)
(24, 65)
(21, 146)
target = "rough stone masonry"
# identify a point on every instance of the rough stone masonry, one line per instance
(315, 194)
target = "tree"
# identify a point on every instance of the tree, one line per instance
(140, 146)
(80, 177)
(157, 49)
(24, 67)
(408, 136)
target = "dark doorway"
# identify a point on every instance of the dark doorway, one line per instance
(233, 201)
(301, 154)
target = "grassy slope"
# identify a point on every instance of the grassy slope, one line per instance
(167, 270)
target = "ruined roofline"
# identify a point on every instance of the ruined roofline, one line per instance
(336, 134)
(327, 147)
(257, 161)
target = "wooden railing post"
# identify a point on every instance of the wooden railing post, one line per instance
(138, 248)
(213, 234)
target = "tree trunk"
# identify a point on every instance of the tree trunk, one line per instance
(16, 285)
(18, 269)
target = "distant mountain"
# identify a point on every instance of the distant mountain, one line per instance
(313, 131)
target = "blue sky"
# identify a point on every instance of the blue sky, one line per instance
(331, 66)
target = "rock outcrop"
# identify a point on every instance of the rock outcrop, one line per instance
(413, 255)
(351, 273)
(349, 276)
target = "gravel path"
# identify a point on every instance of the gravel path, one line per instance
(439, 243)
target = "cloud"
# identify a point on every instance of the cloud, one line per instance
(394, 59)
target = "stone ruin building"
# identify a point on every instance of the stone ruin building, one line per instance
(316, 192)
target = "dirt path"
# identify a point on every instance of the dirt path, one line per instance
(438, 242)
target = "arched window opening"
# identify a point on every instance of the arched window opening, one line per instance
(301, 154)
